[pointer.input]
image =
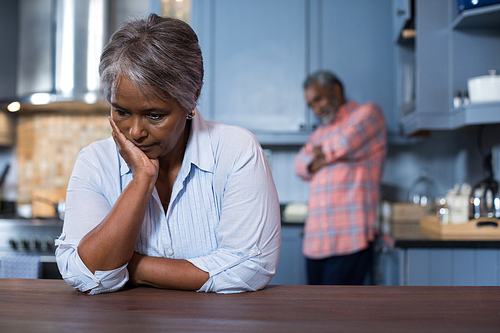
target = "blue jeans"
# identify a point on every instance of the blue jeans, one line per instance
(348, 269)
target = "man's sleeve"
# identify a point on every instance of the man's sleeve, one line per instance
(364, 130)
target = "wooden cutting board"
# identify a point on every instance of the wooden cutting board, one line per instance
(477, 229)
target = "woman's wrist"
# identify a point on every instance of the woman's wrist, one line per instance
(145, 180)
(132, 269)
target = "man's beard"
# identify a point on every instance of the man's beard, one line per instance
(328, 113)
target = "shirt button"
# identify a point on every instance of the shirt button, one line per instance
(170, 252)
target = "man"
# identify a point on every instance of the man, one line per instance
(343, 161)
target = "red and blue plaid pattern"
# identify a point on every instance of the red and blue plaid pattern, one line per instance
(344, 194)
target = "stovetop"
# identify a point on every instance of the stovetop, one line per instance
(29, 236)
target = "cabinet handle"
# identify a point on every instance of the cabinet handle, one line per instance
(400, 12)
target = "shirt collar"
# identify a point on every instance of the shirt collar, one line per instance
(199, 149)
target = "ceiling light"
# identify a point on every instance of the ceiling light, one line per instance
(14, 106)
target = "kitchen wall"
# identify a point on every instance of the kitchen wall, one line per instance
(447, 158)
(47, 147)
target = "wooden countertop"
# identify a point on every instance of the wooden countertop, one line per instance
(53, 306)
(411, 236)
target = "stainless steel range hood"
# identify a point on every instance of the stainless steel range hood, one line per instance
(60, 42)
(59, 47)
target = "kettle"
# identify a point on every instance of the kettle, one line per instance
(485, 197)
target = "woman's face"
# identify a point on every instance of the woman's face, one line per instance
(155, 126)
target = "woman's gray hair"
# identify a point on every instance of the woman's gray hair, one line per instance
(325, 78)
(160, 55)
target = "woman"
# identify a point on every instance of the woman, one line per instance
(171, 200)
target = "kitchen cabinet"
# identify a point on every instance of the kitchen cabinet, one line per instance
(402, 11)
(354, 40)
(449, 48)
(255, 62)
(424, 262)
(292, 264)
(258, 53)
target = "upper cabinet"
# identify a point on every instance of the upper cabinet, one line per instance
(434, 66)
(257, 54)
(255, 61)
(354, 40)
(402, 13)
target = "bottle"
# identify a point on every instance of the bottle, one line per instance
(442, 210)
(457, 100)
(466, 98)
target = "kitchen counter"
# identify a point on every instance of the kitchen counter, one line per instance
(413, 258)
(416, 239)
(53, 306)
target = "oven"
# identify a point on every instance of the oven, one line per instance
(27, 247)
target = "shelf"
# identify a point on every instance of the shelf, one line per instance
(487, 17)
(416, 122)
(282, 139)
(472, 114)
(475, 114)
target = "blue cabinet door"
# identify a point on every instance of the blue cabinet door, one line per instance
(257, 54)
(354, 40)
(452, 267)
(436, 266)
(388, 265)
(292, 267)
(255, 57)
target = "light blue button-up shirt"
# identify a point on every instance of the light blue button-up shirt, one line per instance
(223, 214)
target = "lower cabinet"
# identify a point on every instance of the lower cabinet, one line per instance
(437, 267)
(386, 265)
(292, 265)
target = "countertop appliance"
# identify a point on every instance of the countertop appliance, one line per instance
(31, 237)
(485, 196)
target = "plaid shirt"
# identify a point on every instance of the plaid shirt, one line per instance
(344, 194)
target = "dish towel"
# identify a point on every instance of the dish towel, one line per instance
(20, 266)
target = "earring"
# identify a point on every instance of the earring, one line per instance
(190, 115)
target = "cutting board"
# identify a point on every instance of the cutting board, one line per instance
(477, 229)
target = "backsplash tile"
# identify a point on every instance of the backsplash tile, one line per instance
(48, 145)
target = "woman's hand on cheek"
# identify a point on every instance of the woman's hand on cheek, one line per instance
(139, 163)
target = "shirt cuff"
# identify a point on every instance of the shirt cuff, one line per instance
(101, 281)
(212, 265)
(77, 275)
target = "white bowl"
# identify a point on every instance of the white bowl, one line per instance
(483, 89)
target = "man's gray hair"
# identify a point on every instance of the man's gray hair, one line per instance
(325, 78)
(160, 55)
